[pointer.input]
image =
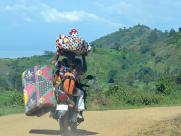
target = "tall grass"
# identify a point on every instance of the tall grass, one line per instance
(10, 102)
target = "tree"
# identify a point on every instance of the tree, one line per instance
(172, 32)
(179, 29)
(3, 84)
(15, 80)
(49, 53)
(112, 75)
(145, 74)
(163, 86)
(116, 46)
(153, 37)
(144, 49)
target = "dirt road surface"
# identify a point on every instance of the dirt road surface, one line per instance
(133, 122)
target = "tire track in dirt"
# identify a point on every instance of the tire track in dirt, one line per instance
(132, 122)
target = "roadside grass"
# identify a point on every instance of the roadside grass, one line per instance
(114, 99)
(117, 98)
(6, 110)
(10, 102)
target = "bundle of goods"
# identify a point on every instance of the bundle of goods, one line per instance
(39, 95)
(74, 44)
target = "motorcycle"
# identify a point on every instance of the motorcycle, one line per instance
(66, 113)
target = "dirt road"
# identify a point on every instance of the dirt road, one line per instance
(133, 122)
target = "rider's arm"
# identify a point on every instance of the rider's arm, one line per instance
(55, 59)
(57, 55)
(84, 65)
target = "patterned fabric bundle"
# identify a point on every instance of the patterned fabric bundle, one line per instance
(39, 96)
(73, 44)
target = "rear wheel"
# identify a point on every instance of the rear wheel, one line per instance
(73, 127)
(67, 128)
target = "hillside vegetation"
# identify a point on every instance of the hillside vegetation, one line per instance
(132, 66)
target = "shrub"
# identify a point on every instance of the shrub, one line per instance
(144, 49)
(16, 98)
(145, 74)
(133, 96)
(102, 100)
(143, 98)
(163, 86)
(178, 80)
(152, 53)
(158, 59)
(153, 36)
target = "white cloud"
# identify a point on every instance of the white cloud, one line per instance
(41, 11)
(155, 13)
(54, 15)
(21, 11)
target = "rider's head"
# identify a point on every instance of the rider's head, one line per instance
(73, 32)
(70, 55)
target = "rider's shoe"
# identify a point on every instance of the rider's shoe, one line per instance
(80, 118)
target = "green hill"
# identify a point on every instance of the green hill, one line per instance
(138, 35)
(140, 61)
(136, 54)
(141, 50)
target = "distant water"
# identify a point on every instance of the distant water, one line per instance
(16, 54)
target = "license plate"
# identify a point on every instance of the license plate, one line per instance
(62, 107)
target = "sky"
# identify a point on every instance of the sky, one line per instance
(29, 27)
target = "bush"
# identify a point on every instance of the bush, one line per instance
(16, 98)
(144, 98)
(102, 100)
(163, 86)
(178, 80)
(144, 49)
(133, 96)
(158, 59)
(145, 74)
(153, 37)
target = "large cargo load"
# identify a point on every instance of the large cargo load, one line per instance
(73, 44)
(39, 96)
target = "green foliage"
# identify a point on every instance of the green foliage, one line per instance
(10, 79)
(158, 59)
(153, 36)
(144, 49)
(16, 98)
(163, 86)
(119, 95)
(137, 35)
(172, 32)
(4, 83)
(132, 58)
(112, 75)
(49, 53)
(145, 74)
(11, 98)
(133, 96)
(10, 102)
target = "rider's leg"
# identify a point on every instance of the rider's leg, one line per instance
(80, 105)
(80, 100)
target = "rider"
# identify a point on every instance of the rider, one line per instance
(78, 67)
